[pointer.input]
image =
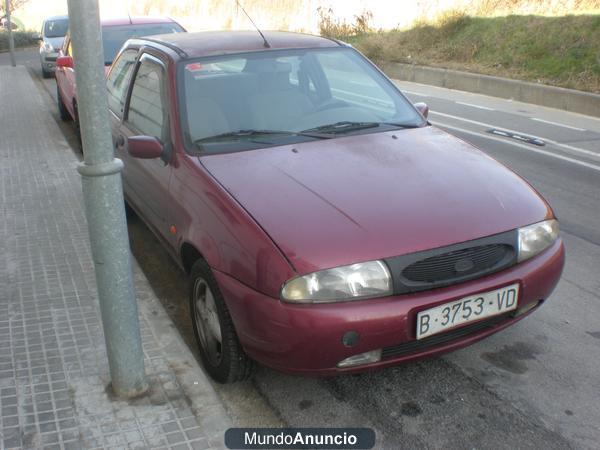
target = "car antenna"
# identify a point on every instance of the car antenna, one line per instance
(267, 45)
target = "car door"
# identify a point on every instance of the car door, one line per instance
(146, 113)
(65, 79)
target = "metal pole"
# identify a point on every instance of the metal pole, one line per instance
(105, 211)
(11, 41)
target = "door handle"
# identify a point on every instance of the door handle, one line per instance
(120, 142)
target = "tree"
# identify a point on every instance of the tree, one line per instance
(12, 4)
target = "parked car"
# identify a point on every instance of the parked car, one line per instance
(52, 37)
(325, 225)
(114, 34)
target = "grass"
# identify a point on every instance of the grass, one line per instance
(560, 51)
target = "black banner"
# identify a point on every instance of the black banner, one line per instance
(300, 438)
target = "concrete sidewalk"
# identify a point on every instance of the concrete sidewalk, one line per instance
(53, 366)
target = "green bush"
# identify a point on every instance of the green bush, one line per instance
(21, 38)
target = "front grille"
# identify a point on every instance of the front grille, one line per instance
(415, 346)
(453, 264)
(447, 266)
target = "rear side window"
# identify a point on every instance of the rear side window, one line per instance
(118, 80)
(113, 37)
(147, 106)
(67, 49)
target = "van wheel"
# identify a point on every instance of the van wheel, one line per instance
(62, 110)
(220, 349)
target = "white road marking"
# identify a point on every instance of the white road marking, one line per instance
(414, 93)
(557, 124)
(476, 106)
(450, 94)
(518, 144)
(381, 103)
(489, 125)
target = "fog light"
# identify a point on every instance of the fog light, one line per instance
(363, 358)
(350, 338)
(525, 309)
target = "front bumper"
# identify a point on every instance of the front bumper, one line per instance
(48, 60)
(307, 339)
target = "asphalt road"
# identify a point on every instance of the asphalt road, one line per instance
(534, 385)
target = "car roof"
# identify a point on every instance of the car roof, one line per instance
(134, 20)
(64, 16)
(210, 43)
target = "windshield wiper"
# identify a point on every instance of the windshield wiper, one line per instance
(345, 126)
(402, 125)
(252, 133)
(341, 127)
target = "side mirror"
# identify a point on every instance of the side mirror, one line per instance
(37, 37)
(64, 61)
(144, 147)
(422, 108)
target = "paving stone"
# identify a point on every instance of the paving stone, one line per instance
(54, 374)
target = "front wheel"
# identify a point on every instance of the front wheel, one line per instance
(62, 109)
(220, 349)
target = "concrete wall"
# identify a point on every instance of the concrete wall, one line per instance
(538, 94)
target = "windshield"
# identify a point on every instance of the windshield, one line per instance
(261, 99)
(113, 37)
(56, 28)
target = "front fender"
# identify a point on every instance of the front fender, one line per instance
(228, 238)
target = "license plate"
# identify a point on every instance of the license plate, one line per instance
(468, 309)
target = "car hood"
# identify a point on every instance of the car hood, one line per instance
(333, 202)
(56, 42)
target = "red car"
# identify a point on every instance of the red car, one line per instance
(325, 226)
(114, 34)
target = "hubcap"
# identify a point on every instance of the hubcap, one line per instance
(207, 321)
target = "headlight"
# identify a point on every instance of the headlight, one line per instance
(353, 282)
(48, 47)
(534, 239)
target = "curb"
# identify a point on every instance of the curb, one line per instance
(538, 94)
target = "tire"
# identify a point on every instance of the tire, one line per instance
(220, 350)
(62, 110)
(77, 126)
(130, 213)
(46, 74)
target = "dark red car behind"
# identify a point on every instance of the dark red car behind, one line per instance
(326, 227)
(114, 34)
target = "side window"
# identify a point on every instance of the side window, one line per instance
(147, 108)
(118, 81)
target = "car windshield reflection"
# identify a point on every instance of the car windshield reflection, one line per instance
(277, 97)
